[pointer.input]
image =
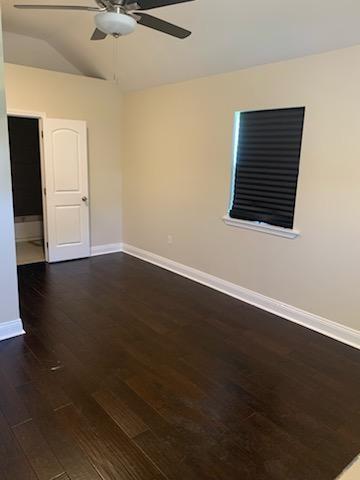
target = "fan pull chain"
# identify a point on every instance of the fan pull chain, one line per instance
(116, 60)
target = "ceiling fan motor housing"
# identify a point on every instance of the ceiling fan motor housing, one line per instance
(114, 23)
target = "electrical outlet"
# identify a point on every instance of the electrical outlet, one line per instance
(170, 239)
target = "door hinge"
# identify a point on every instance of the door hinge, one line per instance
(47, 244)
(42, 133)
(44, 191)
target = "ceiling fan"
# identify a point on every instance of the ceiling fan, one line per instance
(120, 17)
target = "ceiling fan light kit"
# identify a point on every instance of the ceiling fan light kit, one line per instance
(116, 24)
(120, 17)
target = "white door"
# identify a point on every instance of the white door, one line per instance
(66, 183)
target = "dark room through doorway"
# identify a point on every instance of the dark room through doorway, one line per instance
(24, 140)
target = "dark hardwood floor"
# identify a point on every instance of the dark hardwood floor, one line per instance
(129, 372)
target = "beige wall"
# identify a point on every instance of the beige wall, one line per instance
(99, 103)
(9, 303)
(177, 172)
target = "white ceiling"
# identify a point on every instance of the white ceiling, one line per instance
(227, 35)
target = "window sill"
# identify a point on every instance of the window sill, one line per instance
(261, 227)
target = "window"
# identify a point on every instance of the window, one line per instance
(268, 145)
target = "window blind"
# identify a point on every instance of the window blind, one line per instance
(267, 166)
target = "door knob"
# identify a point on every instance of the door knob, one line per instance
(84, 199)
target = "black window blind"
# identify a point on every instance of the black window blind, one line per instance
(267, 166)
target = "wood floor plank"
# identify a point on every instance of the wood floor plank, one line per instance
(127, 420)
(67, 451)
(11, 405)
(13, 463)
(110, 452)
(156, 423)
(38, 452)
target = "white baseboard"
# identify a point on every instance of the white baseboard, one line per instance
(11, 329)
(105, 249)
(314, 322)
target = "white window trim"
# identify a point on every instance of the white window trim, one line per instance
(261, 227)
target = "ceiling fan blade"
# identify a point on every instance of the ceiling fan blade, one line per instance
(162, 25)
(58, 7)
(149, 4)
(98, 35)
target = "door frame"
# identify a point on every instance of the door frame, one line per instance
(41, 116)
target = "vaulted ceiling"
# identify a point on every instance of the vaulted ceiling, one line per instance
(227, 35)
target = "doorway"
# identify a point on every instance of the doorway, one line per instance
(49, 163)
(25, 156)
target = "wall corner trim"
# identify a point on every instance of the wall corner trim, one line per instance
(105, 249)
(309, 320)
(11, 329)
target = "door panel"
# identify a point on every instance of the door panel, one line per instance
(67, 159)
(66, 179)
(68, 225)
